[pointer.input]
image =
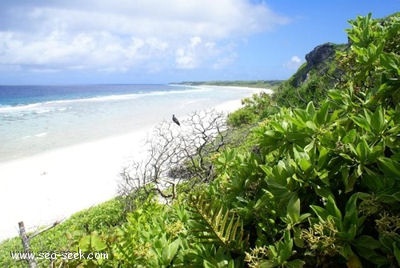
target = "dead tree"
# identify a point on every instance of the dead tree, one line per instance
(176, 154)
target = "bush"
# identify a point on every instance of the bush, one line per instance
(322, 187)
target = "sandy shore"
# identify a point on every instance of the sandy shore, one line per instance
(51, 186)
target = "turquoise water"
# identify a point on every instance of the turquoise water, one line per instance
(34, 119)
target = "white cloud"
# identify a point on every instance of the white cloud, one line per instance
(294, 63)
(188, 57)
(122, 35)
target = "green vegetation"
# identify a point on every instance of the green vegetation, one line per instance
(315, 184)
(97, 223)
(272, 84)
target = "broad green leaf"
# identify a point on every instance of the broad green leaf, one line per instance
(268, 264)
(311, 125)
(297, 237)
(392, 198)
(84, 243)
(301, 116)
(305, 164)
(350, 219)
(285, 248)
(396, 252)
(350, 180)
(332, 208)
(170, 251)
(389, 167)
(361, 122)
(335, 94)
(366, 241)
(280, 127)
(354, 262)
(293, 209)
(365, 246)
(351, 136)
(310, 108)
(362, 150)
(297, 263)
(322, 114)
(378, 120)
(321, 213)
(270, 133)
(322, 157)
(97, 243)
(346, 156)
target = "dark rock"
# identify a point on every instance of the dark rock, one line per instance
(320, 53)
(317, 59)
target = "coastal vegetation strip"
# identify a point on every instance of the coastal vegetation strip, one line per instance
(271, 84)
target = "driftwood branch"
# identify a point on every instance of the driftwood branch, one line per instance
(45, 229)
(26, 240)
(26, 245)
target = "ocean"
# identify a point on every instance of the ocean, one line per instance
(35, 119)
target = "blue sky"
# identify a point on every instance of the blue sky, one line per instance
(159, 41)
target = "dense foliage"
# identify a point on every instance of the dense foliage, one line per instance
(315, 185)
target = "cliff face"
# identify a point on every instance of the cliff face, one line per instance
(318, 59)
(314, 78)
(320, 54)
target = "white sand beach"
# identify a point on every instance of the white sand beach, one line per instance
(50, 186)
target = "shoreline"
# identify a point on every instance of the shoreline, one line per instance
(52, 185)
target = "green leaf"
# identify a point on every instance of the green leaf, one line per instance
(322, 114)
(361, 122)
(350, 219)
(363, 150)
(378, 120)
(293, 209)
(268, 264)
(389, 167)
(170, 251)
(332, 208)
(213, 222)
(305, 164)
(353, 262)
(391, 198)
(335, 95)
(322, 157)
(350, 180)
(97, 243)
(351, 136)
(310, 108)
(84, 243)
(311, 125)
(321, 213)
(396, 252)
(298, 241)
(366, 241)
(297, 263)
(285, 248)
(346, 156)
(366, 247)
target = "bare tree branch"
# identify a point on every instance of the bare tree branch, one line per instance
(176, 154)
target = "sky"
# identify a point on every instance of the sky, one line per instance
(163, 41)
